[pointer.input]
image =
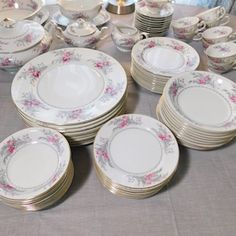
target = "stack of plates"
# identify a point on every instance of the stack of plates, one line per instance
(35, 168)
(72, 90)
(135, 156)
(155, 60)
(200, 108)
(155, 23)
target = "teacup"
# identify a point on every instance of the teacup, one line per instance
(218, 34)
(125, 36)
(220, 67)
(205, 44)
(214, 17)
(188, 27)
(159, 4)
(222, 53)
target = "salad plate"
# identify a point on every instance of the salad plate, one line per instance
(150, 155)
(165, 56)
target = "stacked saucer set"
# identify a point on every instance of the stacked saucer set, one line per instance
(200, 109)
(72, 90)
(153, 16)
(135, 156)
(35, 168)
(155, 60)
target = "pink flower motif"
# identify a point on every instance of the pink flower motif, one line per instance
(31, 103)
(53, 138)
(36, 73)
(174, 89)
(28, 38)
(124, 122)
(164, 137)
(102, 64)
(151, 44)
(44, 47)
(149, 178)
(66, 56)
(103, 154)
(10, 146)
(233, 98)
(204, 79)
(34, 5)
(76, 113)
(110, 90)
(6, 186)
(6, 62)
(141, 4)
(11, 3)
(216, 60)
(178, 47)
(92, 40)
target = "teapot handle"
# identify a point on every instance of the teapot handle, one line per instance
(104, 35)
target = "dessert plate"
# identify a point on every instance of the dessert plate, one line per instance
(32, 161)
(136, 151)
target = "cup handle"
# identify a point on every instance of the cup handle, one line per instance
(225, 21)
(197, 37)
(144, 35)
(222, 12)
(232, 36)
(201, 25)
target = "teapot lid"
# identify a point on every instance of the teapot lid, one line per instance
(80, 28)
(19, 36)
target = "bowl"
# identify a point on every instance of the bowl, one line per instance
(74, 10)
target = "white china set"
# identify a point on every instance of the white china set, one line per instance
(36, 168)
(135, 156)
(199, 108)
(72, 90)
(155, 60)
(153, 16)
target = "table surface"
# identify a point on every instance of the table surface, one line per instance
(200, 200)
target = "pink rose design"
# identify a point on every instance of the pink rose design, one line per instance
(233, 98)
(149, 178)
(178, 47)
(124, 122)
(53, 138)
(31, 103)
(174, 89)
(76, 113)
(204, 80)
(151, 44)
(6, 186)
(66, 57)
(11, 3)
(36, 74)
(164, 137)
(29, 38)
(6, 62)
(10, 146)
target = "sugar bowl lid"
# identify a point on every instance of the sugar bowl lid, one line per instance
(19, 36)
(80, 28)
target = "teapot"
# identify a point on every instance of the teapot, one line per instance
(81, 34)
(125, 36)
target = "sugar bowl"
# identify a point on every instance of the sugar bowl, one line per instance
(125, 36)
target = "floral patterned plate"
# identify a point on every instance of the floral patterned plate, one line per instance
(136, 151)
(165, 56)
(32, 161)
(203, 100)
(69, 86)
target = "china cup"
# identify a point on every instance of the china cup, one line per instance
(218, 34)
(188, 27)
(214, 16)
(221, 56)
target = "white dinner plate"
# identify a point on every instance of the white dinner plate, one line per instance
(69, 86)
